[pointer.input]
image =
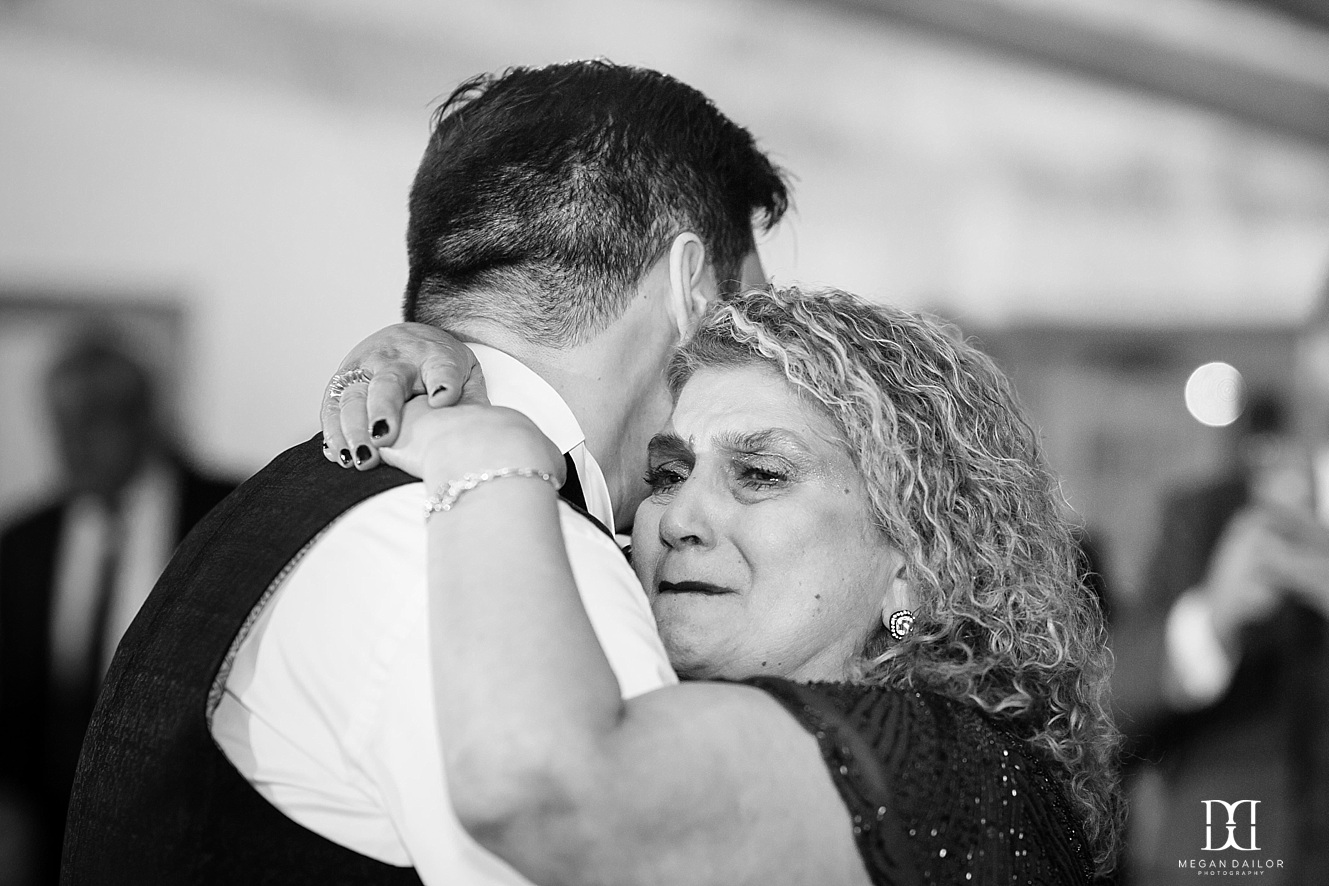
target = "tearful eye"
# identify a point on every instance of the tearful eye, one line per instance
(762, 478)
(665, 477)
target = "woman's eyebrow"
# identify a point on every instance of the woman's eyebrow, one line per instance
(758, 441)
(667, 445)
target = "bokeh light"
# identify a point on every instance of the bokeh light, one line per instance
(1214, 394)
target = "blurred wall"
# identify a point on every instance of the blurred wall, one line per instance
(248, 162)
(274, 223)
(1110, 405)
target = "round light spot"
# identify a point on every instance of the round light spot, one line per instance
(1214, 394)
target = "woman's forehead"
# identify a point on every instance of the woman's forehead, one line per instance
(738, 406)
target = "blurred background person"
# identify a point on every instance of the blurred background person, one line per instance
(1223, 668)
(74, 573)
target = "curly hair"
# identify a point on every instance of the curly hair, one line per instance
(958, 486)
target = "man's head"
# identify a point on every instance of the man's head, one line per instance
(101, 403)
(546, 195)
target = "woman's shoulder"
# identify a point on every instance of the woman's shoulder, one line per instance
(890, 719)
(938, 786)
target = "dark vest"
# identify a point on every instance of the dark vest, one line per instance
(155, 800)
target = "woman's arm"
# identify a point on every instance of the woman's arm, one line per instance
(547, 766)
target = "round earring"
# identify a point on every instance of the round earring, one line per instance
(900, 623)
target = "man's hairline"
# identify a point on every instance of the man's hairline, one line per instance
(464, 329)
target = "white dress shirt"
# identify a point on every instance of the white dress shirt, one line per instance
(329, 710)
(144, 538)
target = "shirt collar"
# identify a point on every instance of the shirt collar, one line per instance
(511, 383)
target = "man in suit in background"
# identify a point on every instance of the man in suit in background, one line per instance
(74, 573)
(1223, 671)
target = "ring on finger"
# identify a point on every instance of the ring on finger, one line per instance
(342, 380)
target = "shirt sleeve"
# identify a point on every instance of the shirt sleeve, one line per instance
(404, 757)
(329, 709)
(617, 606)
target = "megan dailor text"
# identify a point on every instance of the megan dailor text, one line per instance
(1249, 867)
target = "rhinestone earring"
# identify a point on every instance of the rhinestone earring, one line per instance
(900, 623)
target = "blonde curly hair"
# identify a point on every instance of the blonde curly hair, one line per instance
(958, 486)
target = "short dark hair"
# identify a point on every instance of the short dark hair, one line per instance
(545, 195)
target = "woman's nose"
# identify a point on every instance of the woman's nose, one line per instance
(688, 519)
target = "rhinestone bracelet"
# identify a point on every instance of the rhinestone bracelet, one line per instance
(448, 494)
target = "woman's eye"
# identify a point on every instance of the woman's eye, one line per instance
(762, 478)
(662, 478)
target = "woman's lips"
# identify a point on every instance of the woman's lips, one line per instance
(692, 587)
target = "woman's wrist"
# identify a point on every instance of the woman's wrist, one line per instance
(465, 440)
(449, 495)
(445, 463)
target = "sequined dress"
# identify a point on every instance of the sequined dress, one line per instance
(939, 792)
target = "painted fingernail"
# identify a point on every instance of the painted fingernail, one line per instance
(345, 458)
(362, 455)
(380, 429)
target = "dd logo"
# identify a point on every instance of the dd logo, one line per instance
(1231, 808)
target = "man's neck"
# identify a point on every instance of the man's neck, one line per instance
(618, 402)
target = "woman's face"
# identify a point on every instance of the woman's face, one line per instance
(757, 544)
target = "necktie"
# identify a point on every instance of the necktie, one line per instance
(571, 491)
(103, 603)
(572, 494)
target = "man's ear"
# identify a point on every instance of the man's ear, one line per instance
(691, 284)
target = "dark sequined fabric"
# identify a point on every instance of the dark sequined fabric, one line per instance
(939, 793)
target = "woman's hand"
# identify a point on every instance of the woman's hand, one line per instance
(440, 445)
(362, 405)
